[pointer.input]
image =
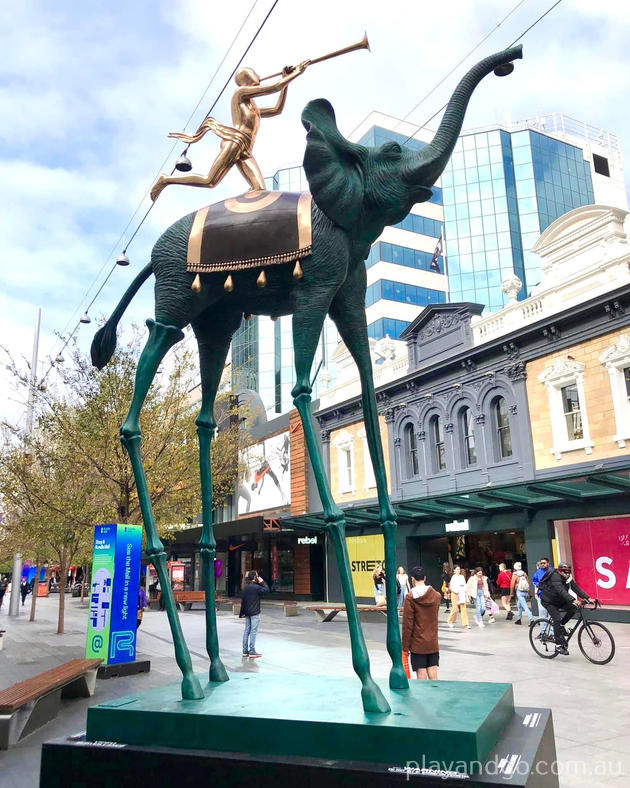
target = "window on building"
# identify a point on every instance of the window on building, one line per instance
(572, 414)
(411, 451)
(344, 444)
(564, 381)
(467, 427)
(616, 359)
(369, 480)
(437, 441)
(600, 165)
(502, 427)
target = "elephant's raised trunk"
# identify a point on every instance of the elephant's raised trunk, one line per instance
(432, 160)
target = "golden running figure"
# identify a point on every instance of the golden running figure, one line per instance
(238, 141)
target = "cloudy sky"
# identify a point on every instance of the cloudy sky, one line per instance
(89, 91)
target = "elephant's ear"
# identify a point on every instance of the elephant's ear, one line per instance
(333, 165)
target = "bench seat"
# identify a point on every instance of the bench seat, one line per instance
(31, 703)
(326, 613)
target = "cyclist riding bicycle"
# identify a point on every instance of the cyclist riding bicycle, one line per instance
(554, 589)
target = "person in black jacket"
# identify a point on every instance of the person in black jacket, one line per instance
(253, 588)
(554, 592)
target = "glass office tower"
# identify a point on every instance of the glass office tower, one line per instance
(504, 186)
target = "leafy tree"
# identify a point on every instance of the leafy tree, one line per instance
(71, 472)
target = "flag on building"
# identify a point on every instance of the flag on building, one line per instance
(434, 265)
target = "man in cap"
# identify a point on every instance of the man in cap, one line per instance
(555, 589)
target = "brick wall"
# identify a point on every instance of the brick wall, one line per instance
(598, 404)
(299, 465)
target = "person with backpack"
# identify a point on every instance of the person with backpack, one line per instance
(561, 595)
(504, 582)
(253, 588)
(520, 588)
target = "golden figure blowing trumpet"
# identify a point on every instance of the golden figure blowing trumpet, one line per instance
(238, 140)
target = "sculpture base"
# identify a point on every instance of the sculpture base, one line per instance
(313, 717)
(124, 669)
(524, 757)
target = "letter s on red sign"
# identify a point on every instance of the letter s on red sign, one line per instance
(610, 580)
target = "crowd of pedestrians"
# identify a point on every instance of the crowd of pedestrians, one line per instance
(555, 592)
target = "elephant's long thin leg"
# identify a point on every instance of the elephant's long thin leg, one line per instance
(161, 339)
(348, 312)
(213, 337)
(308, 319)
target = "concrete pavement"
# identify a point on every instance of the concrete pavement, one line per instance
(589, 702)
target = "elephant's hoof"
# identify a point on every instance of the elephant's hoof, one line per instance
(397, 678)
(373, 699)
(191, 688)
(218, 671)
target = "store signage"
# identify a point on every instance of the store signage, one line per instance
(364, 553)
(307, 540)
(600, 552)
(457, 525)
(111, 632)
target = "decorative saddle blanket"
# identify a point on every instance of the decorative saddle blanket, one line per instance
(258, 228)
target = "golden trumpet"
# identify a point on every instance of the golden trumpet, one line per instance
(362, 44)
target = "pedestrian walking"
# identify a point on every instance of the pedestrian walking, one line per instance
(378, 578)
(420, 626)
(504, 582)
(402, 585)
(478, 592)
(520, 587)
(253, 588)
(24, 590)
(541, 570)
(142, 603)
(446, 580)
(457, 588)
(3, 588)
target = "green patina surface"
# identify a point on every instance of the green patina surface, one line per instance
(315, 717)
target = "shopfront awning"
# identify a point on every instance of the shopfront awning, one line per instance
(528, 496)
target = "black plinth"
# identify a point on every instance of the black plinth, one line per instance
(124, 669)
(524, 758)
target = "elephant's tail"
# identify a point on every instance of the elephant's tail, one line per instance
(104, 342)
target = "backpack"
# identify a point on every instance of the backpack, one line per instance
(523, 584)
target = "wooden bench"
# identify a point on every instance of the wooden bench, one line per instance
(184, 600)
(29, 704)
(326, 613)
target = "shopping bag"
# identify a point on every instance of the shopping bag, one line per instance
(405, 662)
(381, 600)
(491, 606)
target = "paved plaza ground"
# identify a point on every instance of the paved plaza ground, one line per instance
(590, 707)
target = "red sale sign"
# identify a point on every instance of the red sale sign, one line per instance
(601, 558)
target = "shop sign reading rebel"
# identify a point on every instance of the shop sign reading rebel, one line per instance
(111, 632)
(307, 540)
(601, 558)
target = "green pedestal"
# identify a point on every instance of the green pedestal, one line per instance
(314, 717)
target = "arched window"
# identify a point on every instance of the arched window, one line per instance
(502, 427)
(438, 454)
(411, 451)
(467, 427)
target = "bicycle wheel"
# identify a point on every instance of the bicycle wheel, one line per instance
(541, 638)
(596, 643)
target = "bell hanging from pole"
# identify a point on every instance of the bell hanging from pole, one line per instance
(122, 259)
(59, 359)
(504, 69)
(85, 318)
(183, 164)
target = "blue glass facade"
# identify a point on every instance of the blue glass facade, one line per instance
(401, 255)
(404, 294)
(386, 326)
(501, 191)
